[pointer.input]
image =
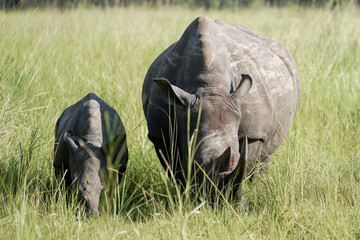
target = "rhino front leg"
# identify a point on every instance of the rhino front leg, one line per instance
(254, 161)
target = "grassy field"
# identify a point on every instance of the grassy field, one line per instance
(51, 59)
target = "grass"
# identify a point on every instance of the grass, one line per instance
(51, 59)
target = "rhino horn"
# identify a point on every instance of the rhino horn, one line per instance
(240, 170)
(173, 94)
(244, 86)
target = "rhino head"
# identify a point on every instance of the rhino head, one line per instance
(218, 143)
(85, 165)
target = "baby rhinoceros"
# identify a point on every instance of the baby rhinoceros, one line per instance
(87, 134)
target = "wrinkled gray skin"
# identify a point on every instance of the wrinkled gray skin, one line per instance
(81, 140)
(249, 91)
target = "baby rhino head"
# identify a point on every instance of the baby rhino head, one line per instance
(84, 165)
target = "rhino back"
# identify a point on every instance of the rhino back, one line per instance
(276, 94)
(87, 119)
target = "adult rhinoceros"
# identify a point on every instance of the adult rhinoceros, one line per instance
(85, 135)
(247, 88)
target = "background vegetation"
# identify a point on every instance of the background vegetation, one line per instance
(50, 59)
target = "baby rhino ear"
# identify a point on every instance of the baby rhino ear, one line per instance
(172, 94)
(70, 143)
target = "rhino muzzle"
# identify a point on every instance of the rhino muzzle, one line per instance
(91, 207)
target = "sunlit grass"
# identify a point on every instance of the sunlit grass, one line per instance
(51, 59)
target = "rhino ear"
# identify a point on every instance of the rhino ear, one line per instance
(172, 94)
(244, 86)
(69, 141)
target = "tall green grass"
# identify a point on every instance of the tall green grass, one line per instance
(51, 59)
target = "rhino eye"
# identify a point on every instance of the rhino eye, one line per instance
(195, 103)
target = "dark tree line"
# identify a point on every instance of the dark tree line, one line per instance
(9, 4)
(318, 3)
